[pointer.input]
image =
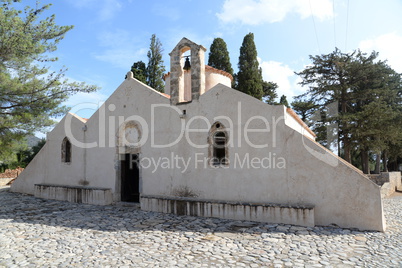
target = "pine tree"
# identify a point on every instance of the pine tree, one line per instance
(376, 107)
(249, 77)
(367, 96)
(155, 68)
(304, 109)
(328, 79)
(219, 56)
(30, 94)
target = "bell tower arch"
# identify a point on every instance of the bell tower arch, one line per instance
(180, 90)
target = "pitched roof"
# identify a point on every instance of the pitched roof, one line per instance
(297, 118)
(83, 120)
(166, 95)
(214, 70)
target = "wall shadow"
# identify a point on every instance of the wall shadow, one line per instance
(21, 208)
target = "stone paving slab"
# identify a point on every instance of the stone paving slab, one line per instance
(47, 233)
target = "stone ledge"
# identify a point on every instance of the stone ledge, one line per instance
(388, 181)
(260, 212)
(192, 199)
(75, 194)
(71, 186)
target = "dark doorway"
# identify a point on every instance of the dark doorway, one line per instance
(130, 178)
(219, 148)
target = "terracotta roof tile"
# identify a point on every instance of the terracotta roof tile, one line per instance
(83, 120)
(214, 70)
(166, 95)
(211, 69)
(166, 75)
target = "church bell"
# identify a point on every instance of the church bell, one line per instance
(187, 65)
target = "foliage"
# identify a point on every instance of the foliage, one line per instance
(249, 77)
(30, 154)
(269, 92)
(155, 68)
(304, 109)
(139, 70)
(29, 93)
(184, 191)
(283, 100)
(19, 154)
(316, 119)
(219, 56)
(328, 80)
(8, 153)
(366, 96)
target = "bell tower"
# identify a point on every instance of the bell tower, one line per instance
(187, 74)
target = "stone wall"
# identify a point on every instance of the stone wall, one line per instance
(389, 182)
(177, 83)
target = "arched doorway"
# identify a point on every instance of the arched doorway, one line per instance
(129, 178)
(128, 150)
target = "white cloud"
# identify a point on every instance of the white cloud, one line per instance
(175, 34)
(121, 48)
(254, 12)
(109, 9)
(116, 37)
(82, 104)
(283, 76)
(105, 9)
(121, 57)
(82, 3)
(85, 104)
(389, 48)
(82, 97)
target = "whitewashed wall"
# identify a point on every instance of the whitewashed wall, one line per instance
(301, 171)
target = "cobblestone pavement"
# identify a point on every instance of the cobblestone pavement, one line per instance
(47, 233)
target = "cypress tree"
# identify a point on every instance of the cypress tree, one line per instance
(155, 67)
(219, 56)
(249, 77)
(284, 101)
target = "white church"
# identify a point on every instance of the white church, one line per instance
(201, 149)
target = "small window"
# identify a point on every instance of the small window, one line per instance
(66, 151)
(219, 149)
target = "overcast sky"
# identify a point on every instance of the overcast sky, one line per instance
(110, 35)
